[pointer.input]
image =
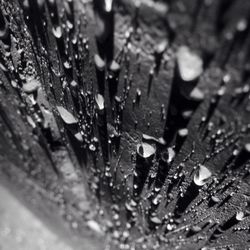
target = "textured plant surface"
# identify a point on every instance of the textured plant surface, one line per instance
(126, 124)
